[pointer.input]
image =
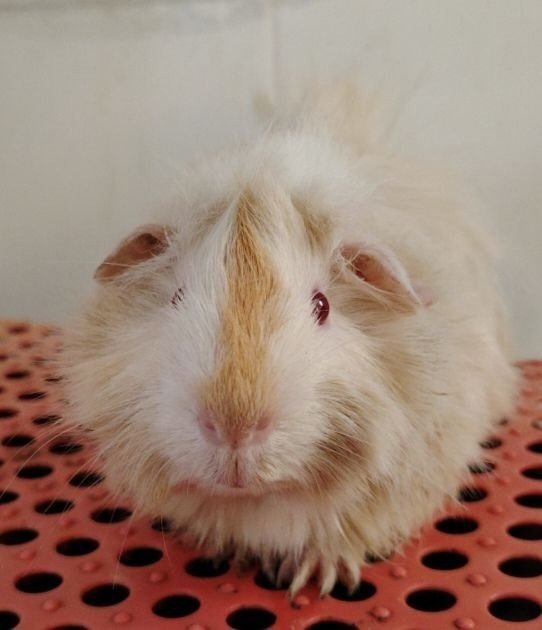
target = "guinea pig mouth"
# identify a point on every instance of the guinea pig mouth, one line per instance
(234, 477)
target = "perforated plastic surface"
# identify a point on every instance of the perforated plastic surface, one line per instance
(73, 557)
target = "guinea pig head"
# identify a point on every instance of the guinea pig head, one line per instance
(233, 360)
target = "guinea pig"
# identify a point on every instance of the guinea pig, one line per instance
(297, 362)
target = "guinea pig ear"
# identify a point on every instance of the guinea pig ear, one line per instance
(384, 277)
(145, 243)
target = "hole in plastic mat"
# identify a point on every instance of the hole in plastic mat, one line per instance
(140, 556)
(48, 418)
(535, 447)
(331, 624)
(105, 595)
(534, 472)
(515, 609)
(17, 536)
(7, 412)
(530, 500)
(54, 506)
(77, 546)
(174, 606)
(207, 567)
(470, 494)
(445, 560)
(456, 525)
(7, 496)
(110, 515)
(8, 619)
(431, 600)
(38, 582)
(491, 443)
(65, 448)
(86, 479)
(17, 440)
(480, 468)
(363, 591)
(17, 374)
(522, 566)
(161, 524)
(251, 618)
(526, 531)
(36, 471)
(33, 395)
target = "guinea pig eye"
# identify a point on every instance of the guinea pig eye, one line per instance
(320, 307)
(177, 297)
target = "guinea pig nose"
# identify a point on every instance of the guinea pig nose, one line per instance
(234, 434)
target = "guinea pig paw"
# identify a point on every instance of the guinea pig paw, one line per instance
(297, 571)
(346, 571)
(329, 570)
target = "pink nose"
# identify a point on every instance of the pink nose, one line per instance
(235, 435)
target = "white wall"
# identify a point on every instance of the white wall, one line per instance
(101, 100)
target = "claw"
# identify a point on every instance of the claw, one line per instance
(349, 574)
(328, 577)
(286, 571)
(303, 574)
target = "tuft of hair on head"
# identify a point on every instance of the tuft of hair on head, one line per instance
(354, 116)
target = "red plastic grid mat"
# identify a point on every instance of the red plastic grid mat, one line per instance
(73, 557)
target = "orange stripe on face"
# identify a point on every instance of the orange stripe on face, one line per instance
(238, 394)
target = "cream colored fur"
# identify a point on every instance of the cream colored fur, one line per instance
(376, 415)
